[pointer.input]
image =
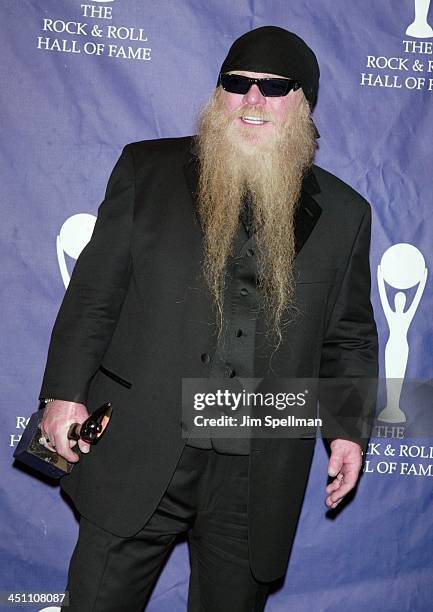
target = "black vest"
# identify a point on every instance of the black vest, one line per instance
(234, 354)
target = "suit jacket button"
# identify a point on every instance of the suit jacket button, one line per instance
(205, 357)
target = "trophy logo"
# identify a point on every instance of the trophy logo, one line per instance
(402, 267)
(73, 237)
(420, 27)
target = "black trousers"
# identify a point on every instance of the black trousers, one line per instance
(207, 499)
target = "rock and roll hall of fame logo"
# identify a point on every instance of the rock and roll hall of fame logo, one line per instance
(402, 268)
(420, 28)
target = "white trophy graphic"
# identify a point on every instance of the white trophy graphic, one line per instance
(73, 237)
(420, 28)
(402, 266)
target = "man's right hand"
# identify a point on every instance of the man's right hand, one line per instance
(58, 416)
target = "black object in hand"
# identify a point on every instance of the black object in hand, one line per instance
(93, 427)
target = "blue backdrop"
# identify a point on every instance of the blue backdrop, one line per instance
(79, 82)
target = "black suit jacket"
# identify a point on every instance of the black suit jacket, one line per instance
(137, 317)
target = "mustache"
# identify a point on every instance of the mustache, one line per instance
(248, 110)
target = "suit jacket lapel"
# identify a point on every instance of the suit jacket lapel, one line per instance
(308, 212)
(306, 215)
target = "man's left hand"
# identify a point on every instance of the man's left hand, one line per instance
(345, 464)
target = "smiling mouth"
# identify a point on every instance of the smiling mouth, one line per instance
(254, 120)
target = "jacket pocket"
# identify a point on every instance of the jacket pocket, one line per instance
(315, 275)
(115, 377)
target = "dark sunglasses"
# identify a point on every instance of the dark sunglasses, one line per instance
(270, 87)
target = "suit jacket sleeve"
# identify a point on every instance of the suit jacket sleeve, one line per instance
(350, 351)
(92, 303)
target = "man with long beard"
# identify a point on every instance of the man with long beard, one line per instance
(223, 256)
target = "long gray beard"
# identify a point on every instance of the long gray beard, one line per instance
(271, 173)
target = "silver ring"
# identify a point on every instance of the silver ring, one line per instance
(43, 440)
